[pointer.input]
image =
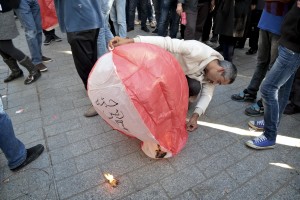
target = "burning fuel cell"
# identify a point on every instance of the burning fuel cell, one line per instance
(111, 180)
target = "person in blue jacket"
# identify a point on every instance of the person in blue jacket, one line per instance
(81, 20)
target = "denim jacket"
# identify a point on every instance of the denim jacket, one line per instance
(78, 15)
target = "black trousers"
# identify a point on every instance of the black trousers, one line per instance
(84, 50)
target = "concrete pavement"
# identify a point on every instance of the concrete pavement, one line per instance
(215, 164)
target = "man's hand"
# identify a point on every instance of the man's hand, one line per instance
(118, 41)
(192, 124)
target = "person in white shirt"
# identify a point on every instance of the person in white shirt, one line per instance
(198, 61)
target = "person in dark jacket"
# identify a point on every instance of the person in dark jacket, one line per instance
(81, 20)
(9, 52)
(277, 85)
(231, 20)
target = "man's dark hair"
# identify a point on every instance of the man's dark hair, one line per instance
(230, 70)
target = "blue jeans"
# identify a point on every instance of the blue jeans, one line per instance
(13, 149)
(118, 17)
(104, 33)
(30, 18)
(267, 54)
(276, 88)
(168, 13)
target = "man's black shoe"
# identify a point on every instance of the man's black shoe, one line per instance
(251, 51)
(243, 96)
(32, 154)
(155, 31)
(129, 29)
(291, 109)
(219, 48)
(145, 29)
(48, 40)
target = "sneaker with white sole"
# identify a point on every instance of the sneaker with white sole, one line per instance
(257, 125)
(261, 142)
(46, 59)
(41, 67)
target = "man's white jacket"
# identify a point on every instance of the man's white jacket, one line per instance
(193, 56)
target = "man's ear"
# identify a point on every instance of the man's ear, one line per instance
(221, 69)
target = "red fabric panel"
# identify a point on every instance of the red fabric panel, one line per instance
(158, 88)
(48, 14)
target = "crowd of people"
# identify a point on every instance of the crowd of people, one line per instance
(90, 25)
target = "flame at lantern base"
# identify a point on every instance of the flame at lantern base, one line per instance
(111, 180)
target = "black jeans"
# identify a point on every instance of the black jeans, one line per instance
(84, 50)
(8, 50)
(130, 16)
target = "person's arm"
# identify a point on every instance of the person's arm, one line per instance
(203, 102)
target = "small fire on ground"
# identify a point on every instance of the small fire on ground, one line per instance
(111, 180)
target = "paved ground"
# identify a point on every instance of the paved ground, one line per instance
(215, 164)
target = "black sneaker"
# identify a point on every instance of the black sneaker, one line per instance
(46, 59)
(256, 109)
(145, 29)
(41, 67)
(48, 40)
(155, 31)
(56, 38)
(251, 51)
(32, 154)
(243, 96)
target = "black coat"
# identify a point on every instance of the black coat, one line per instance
(231, 17)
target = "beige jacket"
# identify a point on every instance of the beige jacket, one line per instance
(193, 56)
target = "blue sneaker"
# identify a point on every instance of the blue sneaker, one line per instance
(257, 125)
(261, 142)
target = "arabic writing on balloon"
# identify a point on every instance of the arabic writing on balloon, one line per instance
(111, 110)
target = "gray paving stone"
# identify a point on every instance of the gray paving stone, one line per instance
(31, 136)
(154, 191)
(248, 168)
(215, 188)
(107, 138)
(216, 163)
(62, 127)
(96, 193)
(25, 116)
(287, 193)
(252, 189)
(150, 174)
(83, 133)
(188, 156)
(181, 181)
(238, 150)
(57, 141)
(187, 195)
(274, 177)
(124, 165)
(25, 182)
(65, 169)
(79, 183)
(217, 142)
(52, 119)
(296, 181)
(95, 158)
(127, 146)
(72, 150)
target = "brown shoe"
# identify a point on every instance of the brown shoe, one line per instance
(41, 67)
(91, 112)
